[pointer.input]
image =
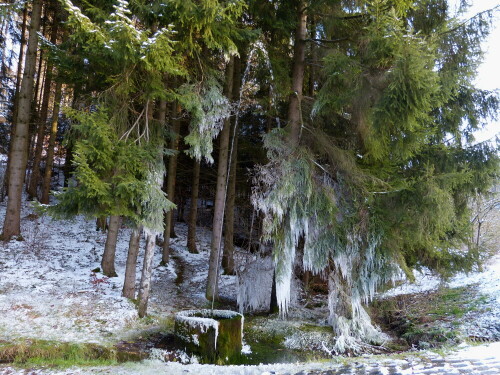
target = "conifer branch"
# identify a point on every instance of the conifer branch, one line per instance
(136, 123)
(320, 40)
(462, 24)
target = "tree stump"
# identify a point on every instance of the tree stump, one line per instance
(214, 335)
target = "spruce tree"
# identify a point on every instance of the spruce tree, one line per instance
(373, 183)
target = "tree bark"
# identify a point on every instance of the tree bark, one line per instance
(20, 62)
(294, 105)
(101, 224)
(170, 185)
(314, 57)
(133, 251)
(228, 252)
(20, 140)
(147, 271)
(273, 307)
(35, 105)
(220, 195)
(16, 98)
(35, 171)
(68, 168)
(193, 209)
(49, 161)
(40, 70)
(108, 258)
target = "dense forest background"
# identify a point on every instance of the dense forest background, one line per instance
(333, 137)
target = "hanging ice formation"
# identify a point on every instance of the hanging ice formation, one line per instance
(255, 279)
(301, 201)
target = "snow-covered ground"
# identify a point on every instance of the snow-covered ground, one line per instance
(48, 289)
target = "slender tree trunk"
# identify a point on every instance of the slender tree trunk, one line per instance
(294, 110)
(170, 185)
(228, 253)
(35, 114)
(220, 195)
(274, 308)
(68, 160)
(147, 271)
(19, 76)
(133, 251)
(314, 58)
(181, 204)
(294, 104)
(193, 209)
(40, 76)
(19, 145)
(108, 258)
(162, 115)
(49, 163)
(35, 171)
(101, 224)
(20, 61)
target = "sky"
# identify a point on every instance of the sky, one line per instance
(489, 71)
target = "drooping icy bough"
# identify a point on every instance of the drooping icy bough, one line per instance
(153, 199)
(300, 200)
(208, 108)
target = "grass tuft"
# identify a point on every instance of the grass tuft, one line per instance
(57, 354)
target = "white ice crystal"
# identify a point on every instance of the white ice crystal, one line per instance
(255, 280)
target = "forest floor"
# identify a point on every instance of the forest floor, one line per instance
(49, 295)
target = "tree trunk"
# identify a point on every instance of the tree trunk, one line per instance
(16, 99)
(228, 253)
(35, 171)
(68, 168)
(49, 161)
(68, 160)
(20, 62)
(108, 258)
(274, 308)
(294, 105)
(19, 145)
(314, 58)
(193, 209)
(133, 251)
(41, 73)
(101, 224)
(170, 185)
(220, 195)
(35, 105)
(147, 271)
